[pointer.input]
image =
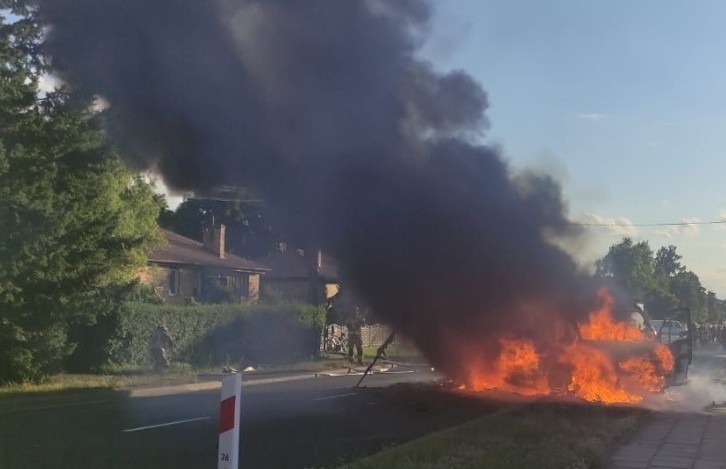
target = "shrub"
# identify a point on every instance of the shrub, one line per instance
(217, 334)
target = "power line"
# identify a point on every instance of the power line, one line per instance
(677, 223)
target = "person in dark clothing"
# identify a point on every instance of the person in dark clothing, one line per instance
(352, 315)
(160, 341)
(355, 324)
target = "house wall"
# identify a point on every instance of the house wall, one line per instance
(158, 277)
(189, 283)
(299, 289)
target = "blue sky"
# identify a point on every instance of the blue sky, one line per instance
(624, 100)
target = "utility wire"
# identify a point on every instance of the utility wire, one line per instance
(678, 223)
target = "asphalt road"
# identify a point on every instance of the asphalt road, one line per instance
(317, 422)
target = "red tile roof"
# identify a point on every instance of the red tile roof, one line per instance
(181, 250)
(294, 264)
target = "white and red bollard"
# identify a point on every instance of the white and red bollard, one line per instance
(229, 416)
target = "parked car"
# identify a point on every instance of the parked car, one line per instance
(668, 331)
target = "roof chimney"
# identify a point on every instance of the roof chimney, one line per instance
(214, 239)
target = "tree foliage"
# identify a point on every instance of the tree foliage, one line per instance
(631, 264)
(660, 279)
(250, 231)
(76, 225)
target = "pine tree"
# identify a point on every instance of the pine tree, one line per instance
(75, 225)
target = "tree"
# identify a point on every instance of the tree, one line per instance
(662, 280)
(250, 231)
(630, 265)
(667, 262)
(687, 288)
(76, 225)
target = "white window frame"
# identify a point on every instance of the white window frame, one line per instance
(177, 274)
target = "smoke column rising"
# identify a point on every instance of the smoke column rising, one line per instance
(324, 107)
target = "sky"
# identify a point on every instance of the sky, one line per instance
(623, 101)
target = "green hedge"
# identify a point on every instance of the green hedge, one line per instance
(209, 335)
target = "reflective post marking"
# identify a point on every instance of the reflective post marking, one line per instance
(229, 416)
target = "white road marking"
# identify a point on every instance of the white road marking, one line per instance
(167, 424)
(334, 397)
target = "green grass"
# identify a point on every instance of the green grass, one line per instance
(536, 436)
(135, 377)
(115, 377)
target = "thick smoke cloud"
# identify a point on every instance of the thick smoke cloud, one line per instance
(324, 107)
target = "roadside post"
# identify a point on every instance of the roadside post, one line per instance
(229, 421)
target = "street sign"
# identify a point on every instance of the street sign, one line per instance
(229, 416)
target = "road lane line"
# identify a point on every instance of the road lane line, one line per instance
(334, 397)
(167, 424)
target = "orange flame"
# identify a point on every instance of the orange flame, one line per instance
(517, 369)
(596, 374)
(594, 377)
(602, 326)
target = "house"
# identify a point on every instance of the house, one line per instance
(184, 270)
(296, 276)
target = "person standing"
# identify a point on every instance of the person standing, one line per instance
(160, 341)
(352, 316)
(355, 324)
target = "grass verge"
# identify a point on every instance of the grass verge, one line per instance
(543, 435)
(179, 373)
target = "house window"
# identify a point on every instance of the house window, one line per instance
(244, 286)
(173, 282)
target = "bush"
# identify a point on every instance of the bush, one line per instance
(30, 355)
(209, 335)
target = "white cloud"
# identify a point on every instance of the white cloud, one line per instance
(616, 227)
(48, 83)
(173, 199)
(592, 116)
(688, 229)
(99, 104)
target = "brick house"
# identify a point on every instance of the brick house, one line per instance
(296, 276)
(185, 269)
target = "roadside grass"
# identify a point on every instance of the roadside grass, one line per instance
(115, 377)
(543, 435)
(127, 377)
(177, 374)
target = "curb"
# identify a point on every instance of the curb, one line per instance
(216, 384)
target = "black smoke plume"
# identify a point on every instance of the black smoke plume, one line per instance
(325, 107)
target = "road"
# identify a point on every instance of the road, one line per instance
(316, 422)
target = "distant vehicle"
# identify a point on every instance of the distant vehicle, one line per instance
(668, 331)
(671, 332)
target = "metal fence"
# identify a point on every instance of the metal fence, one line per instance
(372, 336)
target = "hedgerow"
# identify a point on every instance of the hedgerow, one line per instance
(208, 335)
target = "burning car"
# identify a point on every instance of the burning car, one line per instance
(600, 360)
